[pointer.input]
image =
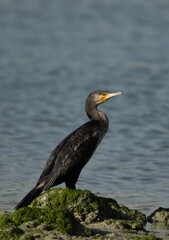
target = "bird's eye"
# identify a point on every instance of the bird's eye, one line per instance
(104, 94)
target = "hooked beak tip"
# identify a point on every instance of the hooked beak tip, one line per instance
(114, 94)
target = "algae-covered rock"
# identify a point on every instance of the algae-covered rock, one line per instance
(160, 218)
(68, 212)
(87, 207)
(8, 229)
(160, 215)
(147, 238)
(59, 219)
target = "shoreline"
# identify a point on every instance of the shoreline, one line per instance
(79, 214)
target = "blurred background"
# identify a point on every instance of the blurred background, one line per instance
(52, 55)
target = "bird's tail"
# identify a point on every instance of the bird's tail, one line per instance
(34, 193)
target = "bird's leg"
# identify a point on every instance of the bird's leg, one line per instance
(70, 185)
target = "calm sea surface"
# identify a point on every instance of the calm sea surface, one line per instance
(52, 54)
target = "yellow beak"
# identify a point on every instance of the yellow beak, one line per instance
(110, 95)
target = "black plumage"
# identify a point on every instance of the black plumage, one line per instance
(72, 153)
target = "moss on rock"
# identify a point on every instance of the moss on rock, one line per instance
(160, 218)
(8, 229)
(125, 224)
(53, 218)
(147, 238)
(68, 212)
(26, 214)
(87, 207)
(160, 215)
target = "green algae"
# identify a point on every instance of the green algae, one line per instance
(78, 201)
(147, 238)
(68, 212)
(125, 224)
(55, 218)
(9, 230)
(61, 220)
(160, 219)
(160, 215)
(26, 214)
(87, 207)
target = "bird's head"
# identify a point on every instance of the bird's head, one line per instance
(100, 96)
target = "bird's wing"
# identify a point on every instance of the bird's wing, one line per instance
(52, 160)
(73, 152)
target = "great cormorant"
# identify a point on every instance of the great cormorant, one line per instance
(70, 156)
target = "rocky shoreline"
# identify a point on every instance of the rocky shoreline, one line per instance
(77, 214)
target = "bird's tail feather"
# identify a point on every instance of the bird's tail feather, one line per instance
(34, 193)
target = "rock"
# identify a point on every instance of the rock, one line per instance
(160, 218)
(87, 207)
(59, 213)
(147, 238)
(8, 229)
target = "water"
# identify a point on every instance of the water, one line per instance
(52, 54)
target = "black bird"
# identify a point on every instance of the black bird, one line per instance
(70, 156)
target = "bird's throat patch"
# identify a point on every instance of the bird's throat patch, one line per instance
(104, 98)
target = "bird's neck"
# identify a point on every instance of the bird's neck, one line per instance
(94, 114)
